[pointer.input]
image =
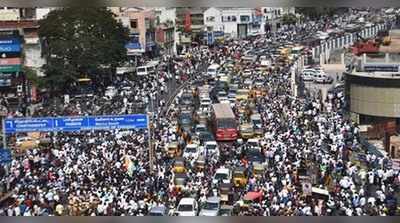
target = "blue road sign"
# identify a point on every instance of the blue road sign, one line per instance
(29, 125)
(5, 156)
(69, 124)
(118, 122)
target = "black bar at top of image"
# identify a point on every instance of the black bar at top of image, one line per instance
(202, 3)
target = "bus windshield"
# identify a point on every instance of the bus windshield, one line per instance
(226, 123)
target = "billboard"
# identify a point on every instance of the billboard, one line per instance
(10, 61)
(8, 41)
(10, 48)
(78, 123)
(10, 68)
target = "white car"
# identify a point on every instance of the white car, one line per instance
(247, 73)
(211, 207)
(191, 151)
(205, 101)
(212, 149)
(223, 174)
(110, 92)
(187, 207)
(253, 143)
(322, 78)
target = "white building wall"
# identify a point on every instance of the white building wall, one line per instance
(166, 14)
(41, 13)
(212, 19)
(9, 14)
(231, 27)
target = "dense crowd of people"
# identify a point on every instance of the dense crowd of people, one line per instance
(100, 173)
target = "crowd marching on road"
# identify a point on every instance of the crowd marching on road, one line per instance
(100, 173)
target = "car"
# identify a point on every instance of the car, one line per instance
(222, 174)
(200, 128)
(246, 131)
(185, 120)
(211, 148)
(322, 78)
(226, 210)
(242, 94)
(160, 210)
(206, 137)
(253, 143)
(246, 73)
(211, 207)
(191, 151)
(222, 95)
(110, 92)
(187, 99)
(187, 207)
(254, 155)
(256, 121)
(205, 101)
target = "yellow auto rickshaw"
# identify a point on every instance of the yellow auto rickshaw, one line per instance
(226, 192)
(258, 170)
(239, 177)
(200, 164)
(173, 149)
(179, 165)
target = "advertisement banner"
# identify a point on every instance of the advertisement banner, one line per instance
(8, 41)
(10, 61)
(10, 68)
(10, 48)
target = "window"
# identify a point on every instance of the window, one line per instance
(134, 24)
(210, 19)
(244, 18)
(279, 12)
(265, 10)
(228, 18)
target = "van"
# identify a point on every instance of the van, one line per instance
(212, 70)
(148, 69)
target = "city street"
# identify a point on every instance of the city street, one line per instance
(227, 134)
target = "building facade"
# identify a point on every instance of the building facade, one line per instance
(234, 22)
(141, 25)
(20, 27)
(165, 31)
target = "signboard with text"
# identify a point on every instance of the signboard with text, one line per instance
(79, 123)
(10, 48)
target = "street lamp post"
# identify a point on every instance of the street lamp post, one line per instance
(3, 115)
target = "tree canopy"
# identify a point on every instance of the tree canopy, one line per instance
(289, 19)
(80, 42)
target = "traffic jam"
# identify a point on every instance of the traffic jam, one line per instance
(238, 143)
(233, 141)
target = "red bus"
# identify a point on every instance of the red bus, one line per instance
(224, 122)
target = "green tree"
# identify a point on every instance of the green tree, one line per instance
(289, 19)
(80, 42)
(32, 76)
